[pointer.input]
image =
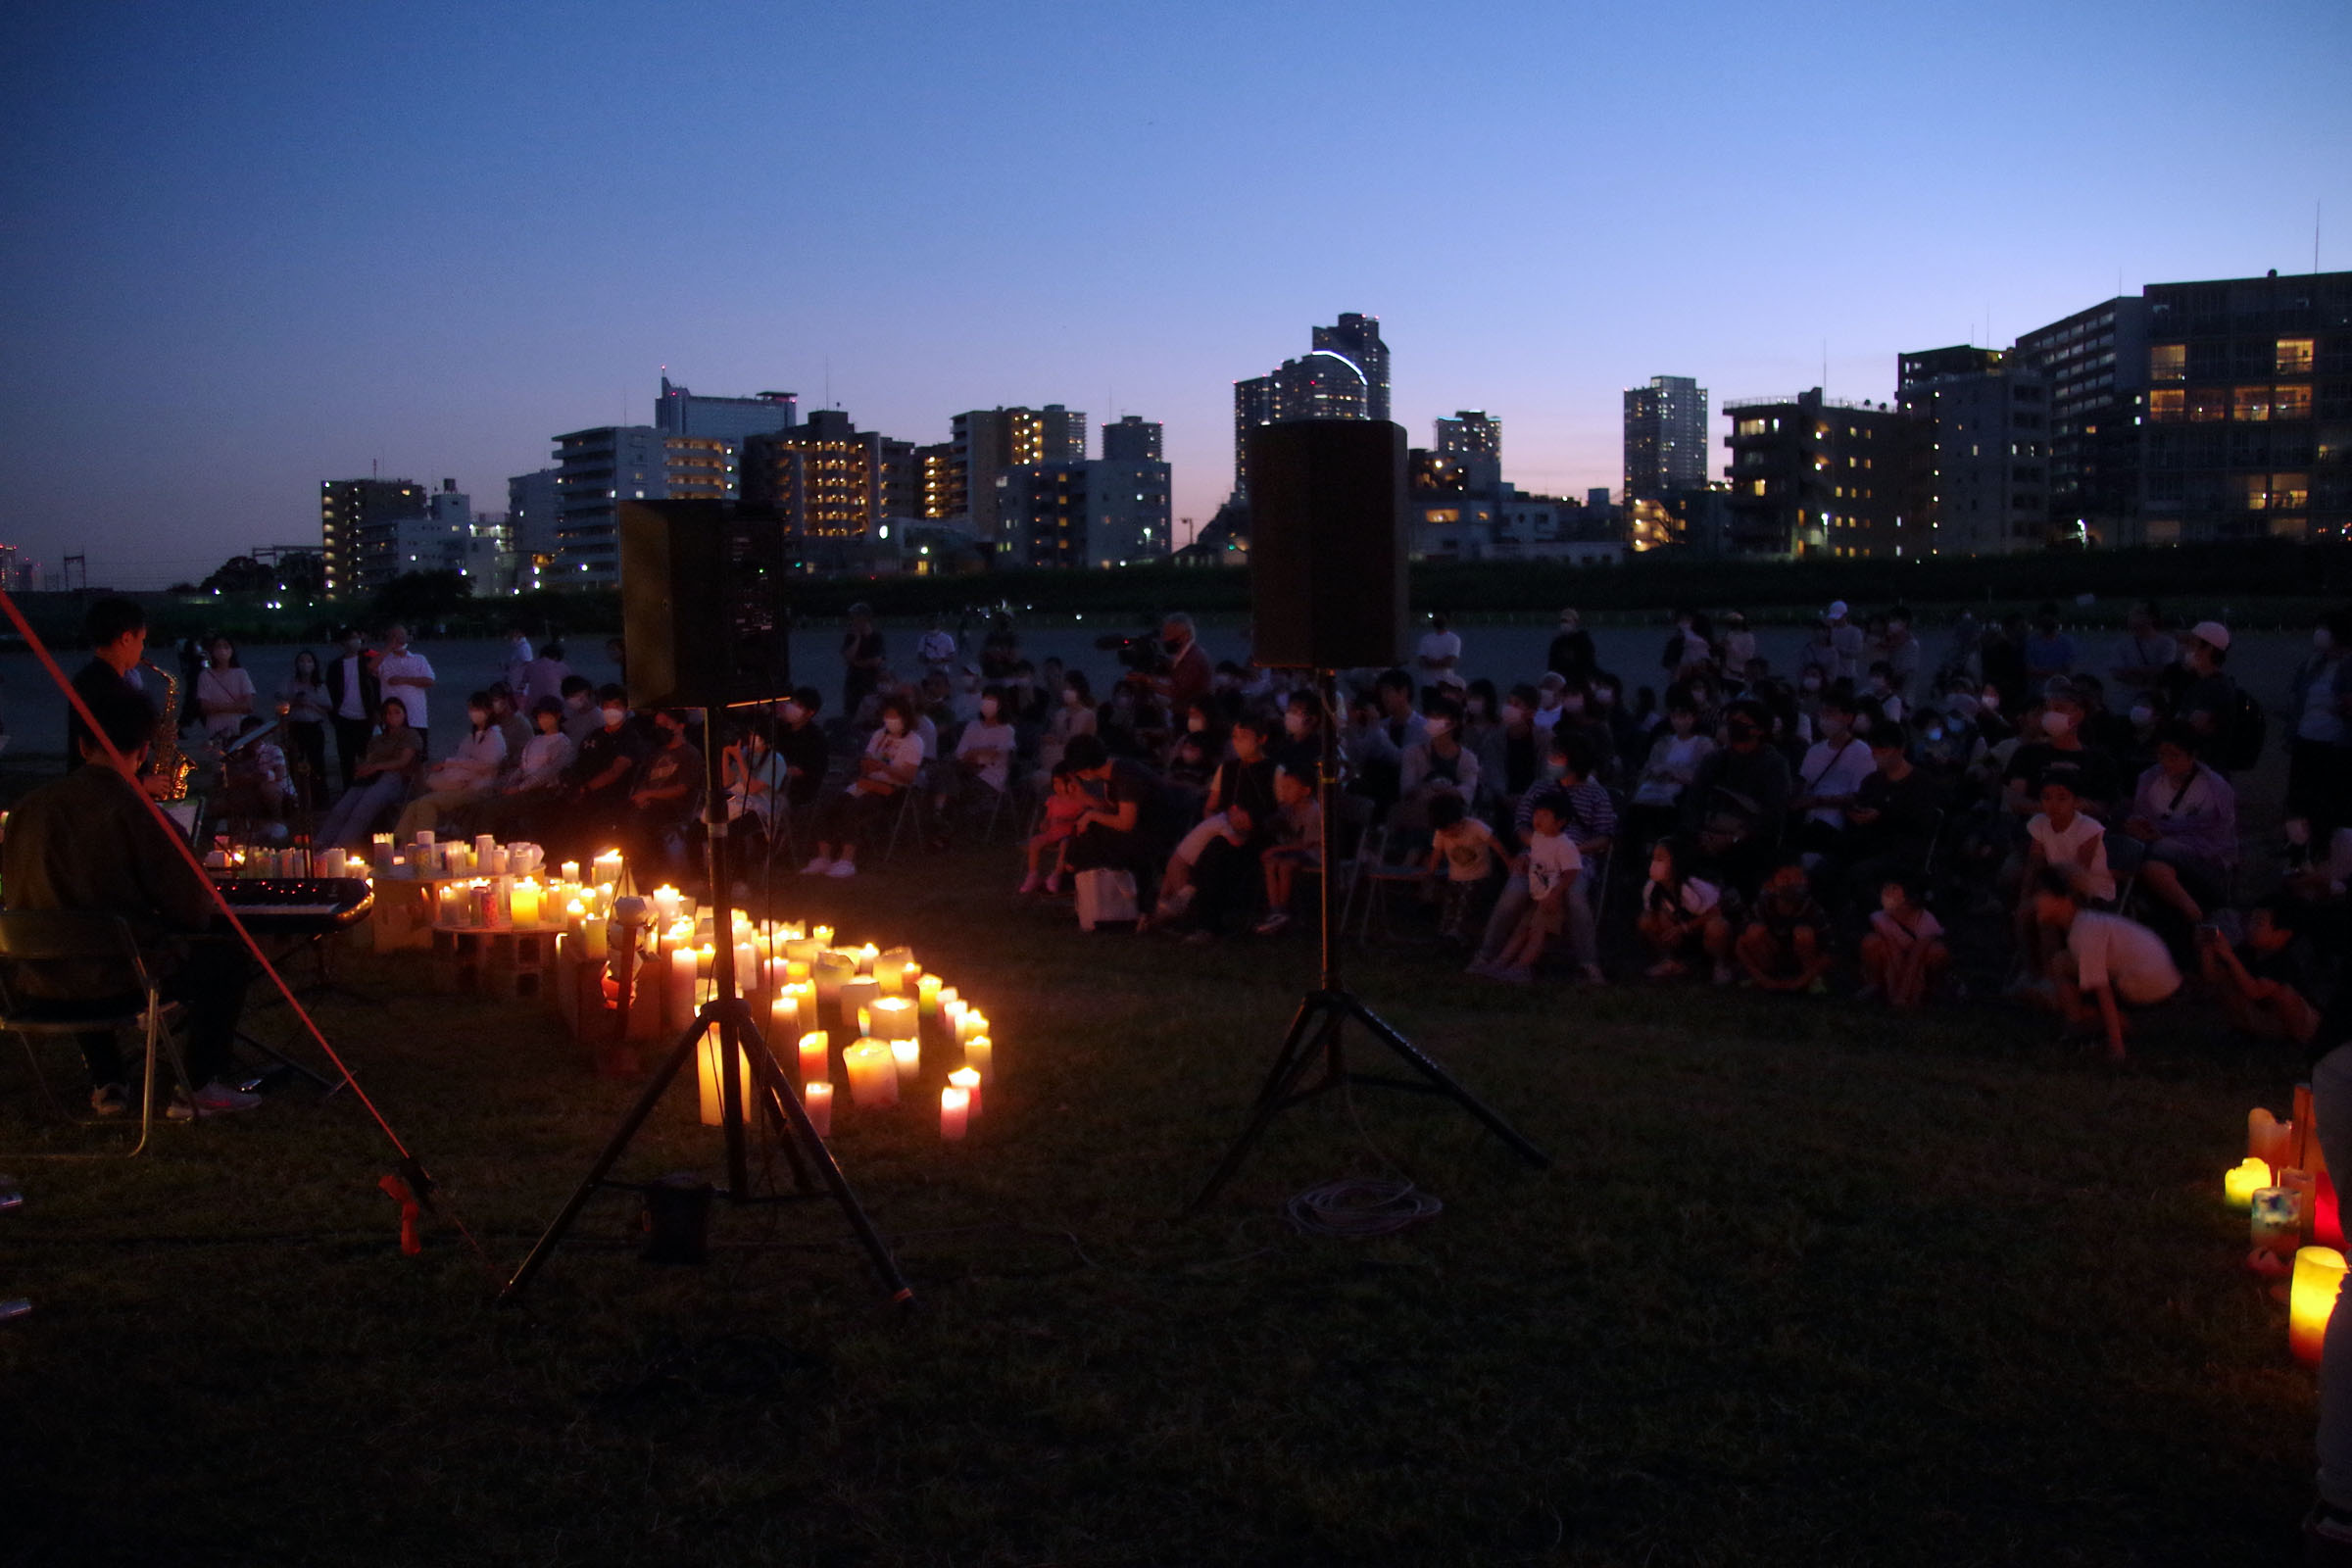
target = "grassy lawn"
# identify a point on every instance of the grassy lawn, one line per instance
(1803, 1285)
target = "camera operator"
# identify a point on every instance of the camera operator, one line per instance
(1184, 673)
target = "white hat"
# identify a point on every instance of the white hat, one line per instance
(2210, 633)
(1836, 610)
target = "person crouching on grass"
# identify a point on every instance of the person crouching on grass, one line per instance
(1064, 808)
(2265, 983)
(1550, 864)
(1904, 953)
(1682, 912)
(1786, 944)
(2108, 964)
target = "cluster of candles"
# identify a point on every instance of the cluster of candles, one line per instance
(2283, 1187)
(427, 858)
(809, 991)
(497, 885)
(239, 862)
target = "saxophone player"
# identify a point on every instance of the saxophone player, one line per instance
(118, 632)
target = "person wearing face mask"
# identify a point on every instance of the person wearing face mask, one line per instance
(1298, 749)
(1881, 694)
(1073, 715)
(535, 783)
(1580, 716)
(406, 674)
(1572, 656)
(1751, 777)
(1187, 673)
(2059, 752)
(664, 800)
(1672, 767)
(461, 780)
(604, 761)
(1439, 763)
(1833, 771)
(889, 767)
(581, 713)
(1902, 652)
(1512, 757)
(2319, 711)
(984, 752)
(2204, 695)
(2144, 652)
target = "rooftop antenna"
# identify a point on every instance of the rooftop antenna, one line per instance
(2315, 237)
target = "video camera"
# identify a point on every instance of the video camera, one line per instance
(1140, 652)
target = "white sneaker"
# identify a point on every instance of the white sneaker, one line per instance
(819, 865)
(842, 868)
(215, 1099)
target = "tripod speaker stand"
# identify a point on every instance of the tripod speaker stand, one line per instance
(1313, 1057)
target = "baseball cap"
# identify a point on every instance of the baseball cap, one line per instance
(2212, 632)
(1836, 610)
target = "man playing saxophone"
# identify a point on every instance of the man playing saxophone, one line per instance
(118, 632)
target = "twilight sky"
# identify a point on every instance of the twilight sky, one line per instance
(249, 247)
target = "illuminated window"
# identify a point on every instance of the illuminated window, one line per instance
(2291, 403)
(2252, 404)
(2290, 492)
(2207, 404)
(2168, 362)
(2294, 355)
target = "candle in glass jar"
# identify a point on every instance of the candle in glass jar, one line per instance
(954, 1112)
(873, 1074)
(817, 1096)
(891, 1018)
(816, 1056)
(967, 1079)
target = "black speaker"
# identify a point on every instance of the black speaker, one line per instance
(1327, 581)
(702, 602)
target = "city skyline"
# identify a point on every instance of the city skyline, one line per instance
(265, 247)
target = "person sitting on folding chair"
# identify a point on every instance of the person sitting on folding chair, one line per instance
(887, 769)
(89, 842)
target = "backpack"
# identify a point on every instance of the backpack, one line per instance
(2239, 746)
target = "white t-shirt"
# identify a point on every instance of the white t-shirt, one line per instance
(1548, 862)
(543, 759)
(770, 770)
(2065, 851)
(395, 671)
(2113, 951)
(903, 751)
(1439, 646)
(979, 736)
(224, 686)
(1833, 771)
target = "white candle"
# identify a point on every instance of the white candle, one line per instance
(873, 1075)
(979, 1055)
(954, 1110)
(708, 1076)
(681, 987)
(570, 870)
(833, 970)
(891, 1018)
(856, 993)
(907, 1056)
(526, 902)
(665, 902)
(967, 1079)
(865, 957)
(747, 969)
(596, 940)
(817, 1096)
(816, 1056)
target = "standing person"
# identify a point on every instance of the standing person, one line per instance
(2144, 652)
(381, 781)
(352, 694)
(2319, 760)
(224, 692)
(87, 841)
(861, 655)
(1188, 674)
(1738, 643)
(1902, 655)
(304, 699)
(2049, 651)
(1440, 649)
(407, 675)
(518, 660)
(1571, 656)
(1846, 642)
(543, 677)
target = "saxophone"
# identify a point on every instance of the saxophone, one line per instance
(163, 756)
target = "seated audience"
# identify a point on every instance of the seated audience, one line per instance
(1786, 944)
(379, 782)
(2180, 838)
(1549, 869)
(1903, 955)
(2265, 983)
(1462, 847)
(890, 766)
(1682, 914)
(461, 780)
(1066, 802)
(1297, 844)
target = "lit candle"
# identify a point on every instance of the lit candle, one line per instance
(891, 1018)
(907, 1056)
(525, 898)
(973, 1022)
(980, 1056)
(708, 1076)
(2242, 1181)
(795, 969)
(2327, 1215)
(865, 957)
(802, 997)
(817, 1096)
(802, 950)
(681, 987)
(967, 1079)
(823, 935)
(596, 940)
(856, 993)
(747, 969)
(891, 970)
(926, 996)
(833, 970)
(954, 1109)
(816, 1056)
(608, 867)
(873, 1074)
(665, 902)
(2319, 1272)
(951, 1009)
(2270, 1139)
(570, 870)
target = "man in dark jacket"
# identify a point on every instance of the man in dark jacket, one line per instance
(353, 696)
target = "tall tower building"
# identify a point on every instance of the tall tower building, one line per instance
(1471, 430)
(1978, 465)
(678, 412)
(1359, 338)
(1134, 439)
(986, 442)
(1665, 439)
(358, 527)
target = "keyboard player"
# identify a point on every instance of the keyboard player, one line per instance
(88, 841)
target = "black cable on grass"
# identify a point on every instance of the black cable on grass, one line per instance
(1359, 1206)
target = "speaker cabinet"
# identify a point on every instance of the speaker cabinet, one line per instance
(701, 599)
(1327, 578)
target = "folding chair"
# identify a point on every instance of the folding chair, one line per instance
(910, 815)
(1377, 875)
(95, 939)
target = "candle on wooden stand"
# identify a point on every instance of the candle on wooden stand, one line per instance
(2319, 1272)
(954, 1112)
(817, 1096)
(817, 1056)
(967, 1079)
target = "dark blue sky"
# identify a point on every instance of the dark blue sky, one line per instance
(250, 247)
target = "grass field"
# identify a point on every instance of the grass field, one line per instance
(1803, 1285)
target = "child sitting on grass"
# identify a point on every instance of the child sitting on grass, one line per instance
(1786, 944)
(1550, 864)
(1904, 953)
(1298, 842)
(1462, 847)
(2069, 840)
(1680, 911)
(2263, 983)
(1064, 808)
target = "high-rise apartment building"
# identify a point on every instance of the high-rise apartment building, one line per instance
(2249, 416)
(1133, 439)
(1105, 513)
(1979, 470)
(599, 469)
(678, 412)
(986, 442)
(1472, 442)
(2094, 365)
(533, 511)
(827, 481)
(1665, 439)
(1815, 476)
(1357, 337)
(359, 526)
